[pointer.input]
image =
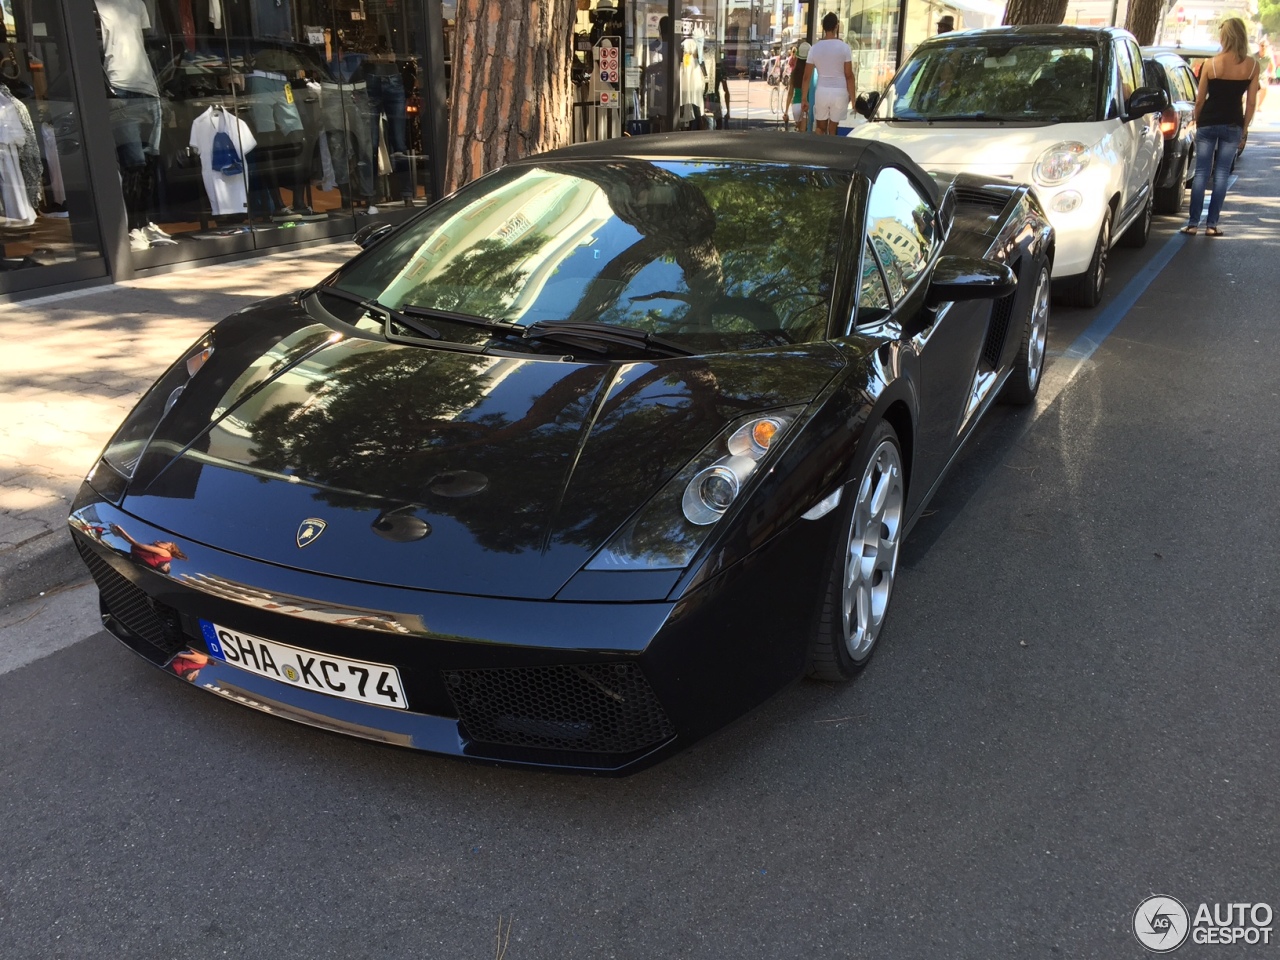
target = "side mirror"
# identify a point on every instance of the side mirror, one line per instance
(1146, 100)
(370, 234)
(867, 103)
(969, 278)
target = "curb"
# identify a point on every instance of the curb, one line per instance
(39, 566)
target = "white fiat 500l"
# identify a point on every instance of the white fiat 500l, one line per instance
(1061, 108)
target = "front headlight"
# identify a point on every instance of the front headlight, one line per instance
(1060, 163)
(666, 531)
(125, 449)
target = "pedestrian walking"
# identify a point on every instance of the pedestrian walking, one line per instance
(831, 59)
(800, 95)
(1225, 102)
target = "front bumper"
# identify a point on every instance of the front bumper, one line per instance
(592, 687)
(1075, 231)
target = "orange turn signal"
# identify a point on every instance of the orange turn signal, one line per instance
(763, 432)
(198, 360)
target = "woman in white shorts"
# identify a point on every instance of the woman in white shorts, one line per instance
(832, 60)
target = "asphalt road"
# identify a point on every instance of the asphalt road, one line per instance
(1073, 707)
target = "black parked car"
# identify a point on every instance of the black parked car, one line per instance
(1171, 73)
(584, 461)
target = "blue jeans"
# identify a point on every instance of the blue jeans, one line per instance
(387, 99)
(135, 126)
(1215, 150)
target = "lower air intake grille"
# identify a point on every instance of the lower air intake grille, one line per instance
(594, 708)
(156, 625)
(1001, 311)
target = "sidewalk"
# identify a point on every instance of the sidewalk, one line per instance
(75, 364)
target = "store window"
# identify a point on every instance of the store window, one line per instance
(47, 214)
(760, 42)
(870, 27)
(247, 123)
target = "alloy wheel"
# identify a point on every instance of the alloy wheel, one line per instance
(1039, 331)
(871, 559)
(1104, 250)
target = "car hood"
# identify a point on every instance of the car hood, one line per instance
(430, 468)
(1000, 151)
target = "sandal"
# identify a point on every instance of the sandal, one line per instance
(1212, 232)
(1190, 229)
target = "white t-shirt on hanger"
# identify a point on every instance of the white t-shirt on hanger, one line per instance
(227, 194)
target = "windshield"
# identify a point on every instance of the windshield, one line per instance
(1049, 83)
(709, 255)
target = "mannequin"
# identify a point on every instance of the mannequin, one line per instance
(135, 112)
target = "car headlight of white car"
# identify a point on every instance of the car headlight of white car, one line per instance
(1060, 163)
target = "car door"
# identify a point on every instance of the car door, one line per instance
(1139, 137)
(901, 241)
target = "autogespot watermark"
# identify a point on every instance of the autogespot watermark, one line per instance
(1162, 924)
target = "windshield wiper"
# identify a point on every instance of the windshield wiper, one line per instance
(571, 331)
(373, 306)
(582, 333)
(467, 319)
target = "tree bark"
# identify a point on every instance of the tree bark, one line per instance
(510, 94)
(1143, 18)
(1035, 11)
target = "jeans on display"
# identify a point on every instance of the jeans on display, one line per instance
(386, 98)
(135, 126)
(1215, 150)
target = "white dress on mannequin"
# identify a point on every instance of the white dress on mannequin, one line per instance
(15, 205)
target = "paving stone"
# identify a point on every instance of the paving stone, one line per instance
(73, 368)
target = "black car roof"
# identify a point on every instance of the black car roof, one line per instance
(847, 154)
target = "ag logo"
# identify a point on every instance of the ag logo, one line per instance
(1161, 924)
(310, 530)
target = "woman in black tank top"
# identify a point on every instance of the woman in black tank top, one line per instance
(1224, 109)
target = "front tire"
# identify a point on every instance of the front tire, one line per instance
(1085, 290)
(1024, 381)
(1140, 230)
(1169, 199)
(863, 560)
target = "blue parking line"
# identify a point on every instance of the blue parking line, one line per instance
(1109, 318)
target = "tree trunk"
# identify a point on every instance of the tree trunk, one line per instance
(1035, 11)
(1143, 19)
(510, 94)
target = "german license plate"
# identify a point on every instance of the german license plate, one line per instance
(360, 680)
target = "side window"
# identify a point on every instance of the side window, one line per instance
(1128, 72)
(1135, 54)
(873, 298)
(902, 225)
(1188, 83)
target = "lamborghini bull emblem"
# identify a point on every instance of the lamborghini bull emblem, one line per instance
(309, 531)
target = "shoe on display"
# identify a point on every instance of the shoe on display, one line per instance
(157, 237)
(54, 209)
(138, 240)
(297, 213)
